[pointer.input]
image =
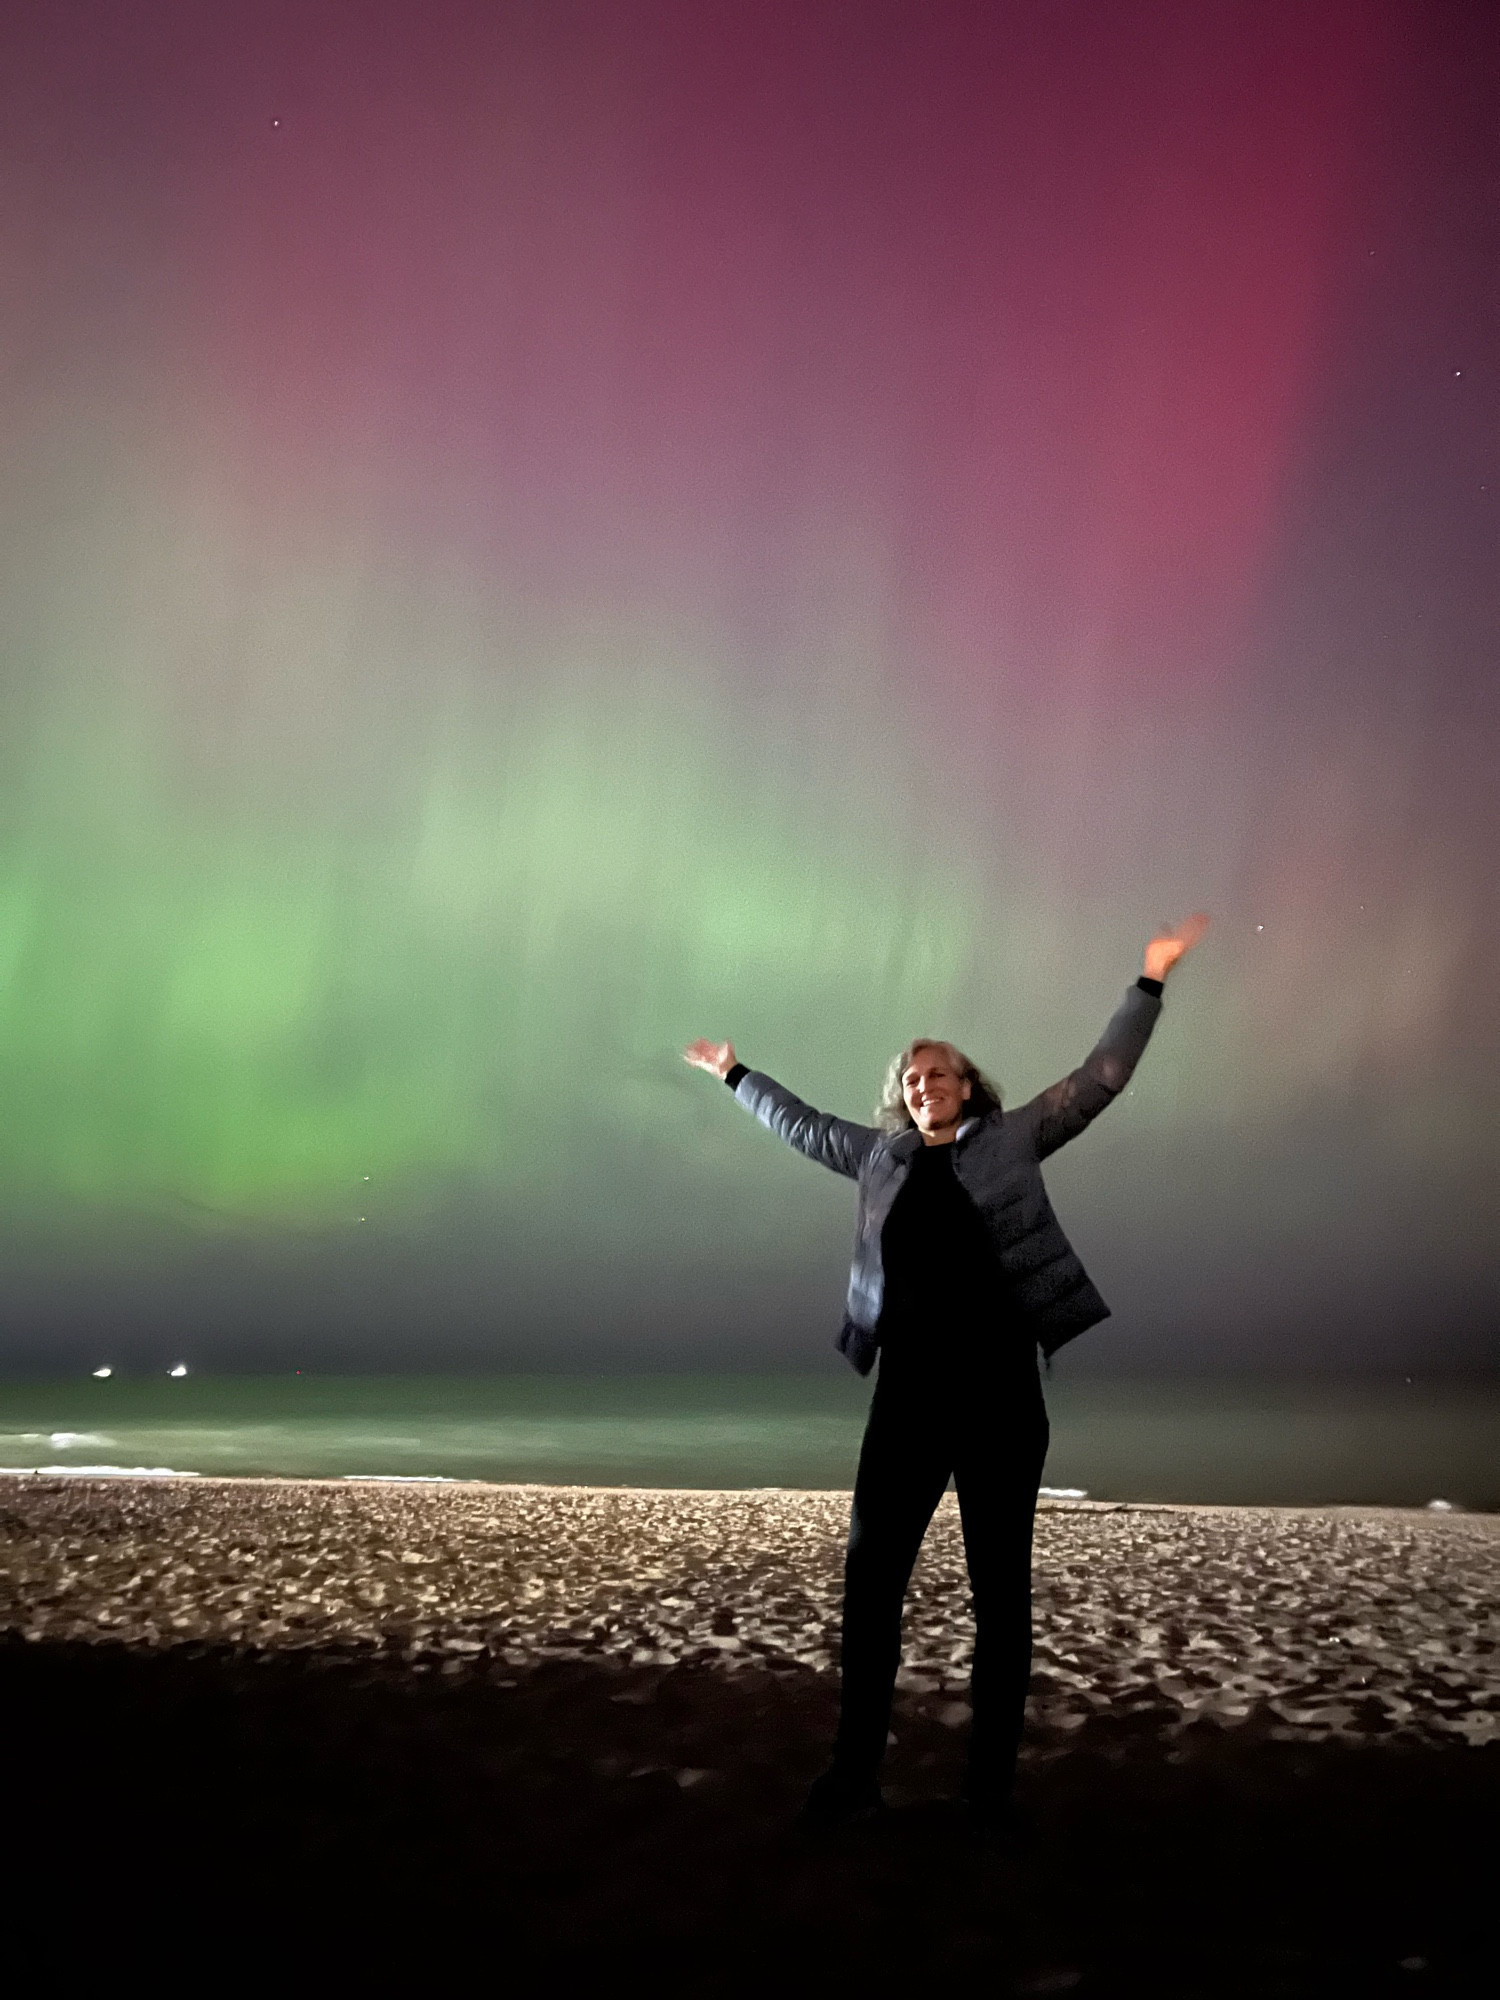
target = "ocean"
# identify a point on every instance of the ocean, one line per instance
(1228, 1441)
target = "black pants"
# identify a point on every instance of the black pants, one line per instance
(991, 1438)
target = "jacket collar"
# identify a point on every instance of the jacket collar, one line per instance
(909, 1142)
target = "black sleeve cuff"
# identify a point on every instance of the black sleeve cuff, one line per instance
(732, 1077)
(1151, 986)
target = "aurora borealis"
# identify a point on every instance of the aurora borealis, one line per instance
(534, 532)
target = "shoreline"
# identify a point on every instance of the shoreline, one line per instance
(1083, 1503)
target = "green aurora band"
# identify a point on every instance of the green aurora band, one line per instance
(524, 541)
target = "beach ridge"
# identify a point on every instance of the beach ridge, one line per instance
(1314, 1622)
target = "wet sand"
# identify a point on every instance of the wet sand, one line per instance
(575, 1724)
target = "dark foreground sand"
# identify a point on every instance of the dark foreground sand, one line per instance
(570, 1728)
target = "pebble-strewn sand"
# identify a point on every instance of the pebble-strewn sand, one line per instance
(1321, 1622)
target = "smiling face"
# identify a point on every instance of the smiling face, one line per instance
(936, 1091)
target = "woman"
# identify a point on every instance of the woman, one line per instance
(961, 1274)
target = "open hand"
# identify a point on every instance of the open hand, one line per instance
(1169, 945)
(717, 1058)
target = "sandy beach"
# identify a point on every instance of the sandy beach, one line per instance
(1262, 1752)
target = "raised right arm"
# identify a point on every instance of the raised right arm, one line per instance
(836, 1143)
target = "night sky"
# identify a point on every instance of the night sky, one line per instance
(534, 532)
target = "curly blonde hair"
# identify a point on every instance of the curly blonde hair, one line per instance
(891, 1114)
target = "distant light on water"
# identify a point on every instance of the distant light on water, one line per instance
(180, 1369)
(102, 1374)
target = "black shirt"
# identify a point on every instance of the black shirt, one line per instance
(946, 1300)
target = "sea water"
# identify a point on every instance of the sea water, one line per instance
(1239, 1441)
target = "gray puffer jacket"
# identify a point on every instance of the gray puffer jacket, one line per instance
(998, 1162)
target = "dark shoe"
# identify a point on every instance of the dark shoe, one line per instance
(838, 1800)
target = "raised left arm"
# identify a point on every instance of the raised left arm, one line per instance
(1061, 1112)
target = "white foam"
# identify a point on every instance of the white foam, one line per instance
(59, 1440)
(404, 1478)
(109, 1471)
(1063, 1492)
